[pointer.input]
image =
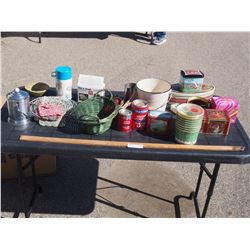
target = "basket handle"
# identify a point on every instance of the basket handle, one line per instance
(89, 119)
(110, 93)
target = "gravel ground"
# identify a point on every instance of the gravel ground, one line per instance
(75, 190)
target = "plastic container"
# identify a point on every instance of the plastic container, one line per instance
(63, 75)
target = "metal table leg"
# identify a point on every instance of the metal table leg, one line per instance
(194, 195)
(40, 37)
(36, 187)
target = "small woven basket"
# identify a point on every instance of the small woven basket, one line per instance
(95, 115)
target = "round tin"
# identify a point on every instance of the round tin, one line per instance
(188, 123)
(190, 111)
(200, 101)
(138, 125)
(139, 117)
(139, 106)
(124, 123)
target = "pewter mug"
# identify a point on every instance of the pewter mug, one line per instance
(18, 103)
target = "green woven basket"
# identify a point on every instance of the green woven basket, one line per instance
(95, 115)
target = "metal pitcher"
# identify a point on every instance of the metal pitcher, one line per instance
(18, 103)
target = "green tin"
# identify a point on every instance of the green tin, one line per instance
(188, 123)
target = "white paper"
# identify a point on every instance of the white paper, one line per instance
(91, 82)
(133, 145)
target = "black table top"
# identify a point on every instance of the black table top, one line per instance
(10, 142)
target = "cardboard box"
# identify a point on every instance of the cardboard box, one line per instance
(45, 165)
(88, 86)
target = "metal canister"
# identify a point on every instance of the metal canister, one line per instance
(124, 123)
(18, 103)
(140, 112)
(188, 123)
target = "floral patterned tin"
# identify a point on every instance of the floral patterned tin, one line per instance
(215, 122)
(191, 80)
(160, 122)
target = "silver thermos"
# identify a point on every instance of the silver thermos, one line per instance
(18, 102)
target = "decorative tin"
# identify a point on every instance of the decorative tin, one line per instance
(215, 122)
(140, 111)
(139, 107)
(203, 102)
(188, 123)
(138, 125)
(160, 122)
(191, 80)
(190, 111)
(182, 97)
(124, 123)
(229, 104)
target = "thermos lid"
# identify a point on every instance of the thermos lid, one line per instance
(63, 73)
(17, 95)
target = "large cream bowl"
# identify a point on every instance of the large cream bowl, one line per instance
(155, 91)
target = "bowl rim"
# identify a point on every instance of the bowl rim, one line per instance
(150, 92)
(29, 86)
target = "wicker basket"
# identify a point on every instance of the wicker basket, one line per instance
(50, 121)
(95, 115)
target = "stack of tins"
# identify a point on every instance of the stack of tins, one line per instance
(140, 111)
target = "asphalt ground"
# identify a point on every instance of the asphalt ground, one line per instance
(122, 188)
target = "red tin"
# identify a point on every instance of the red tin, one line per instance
(139, 107)
(140, 112)
(215, 122)
(138, 125)
(124, 123)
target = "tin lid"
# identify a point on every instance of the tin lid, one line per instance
(125, 112)
(216, 115)
(17, 95)
(190, 111)
(192, 73)
(160, 114)
(140, 103)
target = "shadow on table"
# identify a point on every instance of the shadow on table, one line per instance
(136, 36)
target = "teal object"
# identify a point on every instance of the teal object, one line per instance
(63, 73)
